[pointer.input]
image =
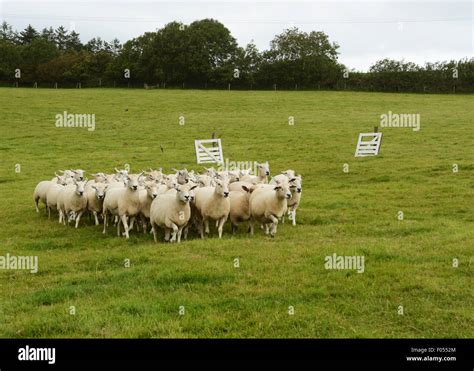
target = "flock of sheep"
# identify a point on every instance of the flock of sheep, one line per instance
(175, 202)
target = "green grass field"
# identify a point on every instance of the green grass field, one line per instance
(408, 263)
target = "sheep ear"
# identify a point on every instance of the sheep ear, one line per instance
(192, 187)
(245, 189)
(277, 188)
(117, 170)
(292, 179)
(94, 187)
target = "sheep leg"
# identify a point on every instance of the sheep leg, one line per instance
(78, 217)
(220, 227)
(266, 229)
(96, 218)
(274, 225)
(153, 229)
(251, 227)
(118, 229)
(132, 222)
(49, 212)
(105, 222)
(180, 231)
(201, 228)
(293, 217)
(234, 228)
(36, 204)
(175, 232)
(125, 225)
(206, 226)
(167, 234)
(185, 232)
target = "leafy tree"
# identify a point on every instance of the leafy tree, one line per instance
(28, 35)
(48, 34)
(73, 42)
(61, 37)
(7, 33)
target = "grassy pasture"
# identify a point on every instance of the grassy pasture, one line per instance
(407, 263)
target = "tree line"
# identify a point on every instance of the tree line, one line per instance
(204, 54)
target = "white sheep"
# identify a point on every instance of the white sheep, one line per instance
(239, 206)
(123, 202)
(146, 196)
(267, 205)
(294, 202)
(263, 171)
(72, 199)
(52, 196)
(212, 203)
(95, 199)
(41, 191)
(171, 212)
(294, 182)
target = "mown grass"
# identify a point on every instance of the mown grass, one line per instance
(407, 262)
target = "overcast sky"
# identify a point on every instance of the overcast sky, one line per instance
(416, 31)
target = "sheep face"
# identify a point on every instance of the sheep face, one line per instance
(155, 175)
(182, 176)
(78, 174)
(263, 169)
(100, 190)
(133, 181)
(60, 180)
(295, 184)
(283, 191)
(234, 176)
(185, 193)
(80, 187)
(171, 182)
(151, 189)
(222, 188)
